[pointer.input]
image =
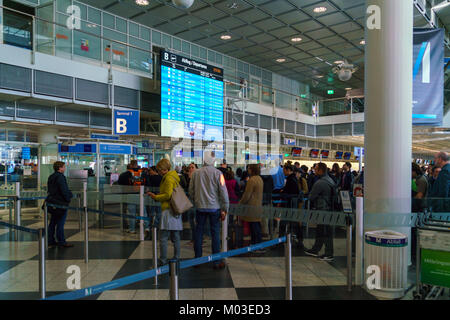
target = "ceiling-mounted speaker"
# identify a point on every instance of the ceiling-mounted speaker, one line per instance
(183, 4)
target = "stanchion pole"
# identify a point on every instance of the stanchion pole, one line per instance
(141, 212)
(349, 252)
(86, 224)
(121, 215)
(17, 211)
(42, 279)
(173, 272)
(80, 219)
(359, 234)
(46, 224)
(10, 207)
(155, 250)
(288, 264)
(225, 234)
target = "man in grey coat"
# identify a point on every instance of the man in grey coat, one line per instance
(321, 198)
(209, 194)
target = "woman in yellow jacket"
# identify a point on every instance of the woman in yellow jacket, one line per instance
(169, 223)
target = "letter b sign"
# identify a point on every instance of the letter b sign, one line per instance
(126, 123)
(121, 126)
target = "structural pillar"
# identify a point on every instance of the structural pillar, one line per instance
(388, 111)
(48, 154)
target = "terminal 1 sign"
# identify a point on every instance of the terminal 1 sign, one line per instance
(126, 122)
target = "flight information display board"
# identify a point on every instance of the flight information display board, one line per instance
(191, 99)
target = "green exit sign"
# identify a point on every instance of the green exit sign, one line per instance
(303, 96)
(330, 91)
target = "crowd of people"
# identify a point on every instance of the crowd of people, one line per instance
(212, 190)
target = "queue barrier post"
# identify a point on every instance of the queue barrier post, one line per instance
(174, 268)
(80, 215)
(46, 224)
(349, 252)
(86, 224)
(288, 266)
(17, 211)
(42, 272)
(359, 240)
(141, 213)
(225, 234)
(10, 207)
(155, 250)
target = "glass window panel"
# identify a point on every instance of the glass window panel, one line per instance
(121, 25)
(134, 29)
(176, 44)
(108, 21)
(94, 15)
(166, 41)
(211, 56)
(33, 111)
(139, 43)
(63, 36)
(62, 5)
(219, 59)
(86, 45)
(145, 33)
(186, 47)
(83, 9)
(156, 37)
(203, 53)
(7, 108)
(16, 135)
(119, 51)
(195, 50)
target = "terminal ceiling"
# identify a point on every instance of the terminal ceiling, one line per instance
(261, 32)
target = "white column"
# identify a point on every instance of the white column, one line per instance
(388, 111)
(48, 153)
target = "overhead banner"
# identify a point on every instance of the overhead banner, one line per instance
(428, 77)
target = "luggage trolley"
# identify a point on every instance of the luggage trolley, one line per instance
(433, 258)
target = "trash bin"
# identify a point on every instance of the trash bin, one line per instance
(386, 265)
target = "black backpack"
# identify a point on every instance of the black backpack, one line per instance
(335, 199)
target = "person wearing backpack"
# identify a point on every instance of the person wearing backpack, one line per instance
(170, 224)
(322, 196)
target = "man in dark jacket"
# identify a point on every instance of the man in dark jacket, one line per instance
(441, 187)
(321, 197)
(345, 183)
(290, 194)
(59, 194)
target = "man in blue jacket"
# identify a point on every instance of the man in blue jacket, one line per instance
(441, 187)
(59, 194)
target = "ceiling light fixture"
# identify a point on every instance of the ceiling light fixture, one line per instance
(142, 2)
(298, 39)
(280, 60)
(225, 37)
(320, 9)
(339, 62)
(233, 5)
(320, 59)
(363, 42)
(348, 89)
(319, 76)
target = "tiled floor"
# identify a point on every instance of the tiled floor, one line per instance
(113, 255)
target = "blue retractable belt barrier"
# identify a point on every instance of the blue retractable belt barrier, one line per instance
(19, 227)
(32, 198)
(82, 293)
(119, 215)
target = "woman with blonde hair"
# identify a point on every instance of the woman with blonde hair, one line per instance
(170, 224)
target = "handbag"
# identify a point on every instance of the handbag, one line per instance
(179, 202)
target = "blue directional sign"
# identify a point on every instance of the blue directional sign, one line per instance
(126, 122)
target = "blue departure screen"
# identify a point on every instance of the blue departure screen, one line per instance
(191, 99)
